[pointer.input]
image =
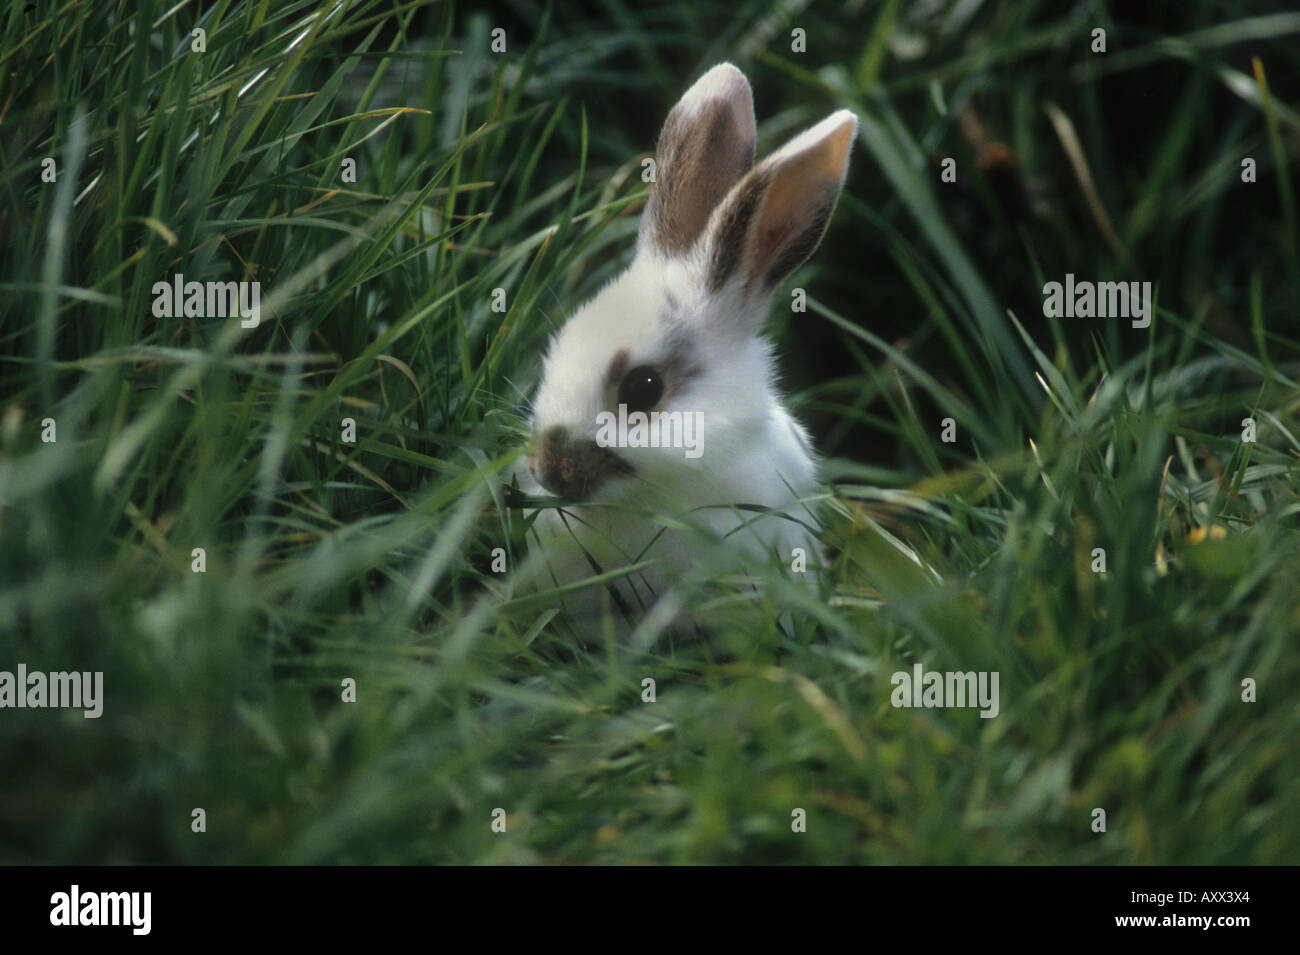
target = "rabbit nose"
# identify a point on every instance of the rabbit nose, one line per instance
(574, 468)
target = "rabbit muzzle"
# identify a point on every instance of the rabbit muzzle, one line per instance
(574, 469)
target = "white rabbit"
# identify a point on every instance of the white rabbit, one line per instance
(679, 331)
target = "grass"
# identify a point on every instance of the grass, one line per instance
(476, 171)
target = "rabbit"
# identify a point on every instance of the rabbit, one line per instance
(679, 331)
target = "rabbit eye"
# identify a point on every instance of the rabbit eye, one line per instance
(641, 389)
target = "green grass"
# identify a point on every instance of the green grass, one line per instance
(475, 171)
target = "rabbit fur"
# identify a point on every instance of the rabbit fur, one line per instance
(716, 239)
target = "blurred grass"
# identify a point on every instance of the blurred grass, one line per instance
(519, 171)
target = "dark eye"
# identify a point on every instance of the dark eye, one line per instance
(641, 389)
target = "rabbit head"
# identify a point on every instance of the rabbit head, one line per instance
(679, 330)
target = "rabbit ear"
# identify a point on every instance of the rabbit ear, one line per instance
(774, 218)
(706, 145)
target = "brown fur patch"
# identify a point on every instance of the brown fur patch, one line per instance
(733, 228)
(575, 469)
(618, 366)
(741, 242)
(700, 157)
(677, 366)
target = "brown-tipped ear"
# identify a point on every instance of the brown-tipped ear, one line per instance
(774, 218)
(706, 145)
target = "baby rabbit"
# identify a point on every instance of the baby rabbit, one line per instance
(678, 334)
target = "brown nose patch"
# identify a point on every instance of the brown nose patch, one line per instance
(574, 469)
